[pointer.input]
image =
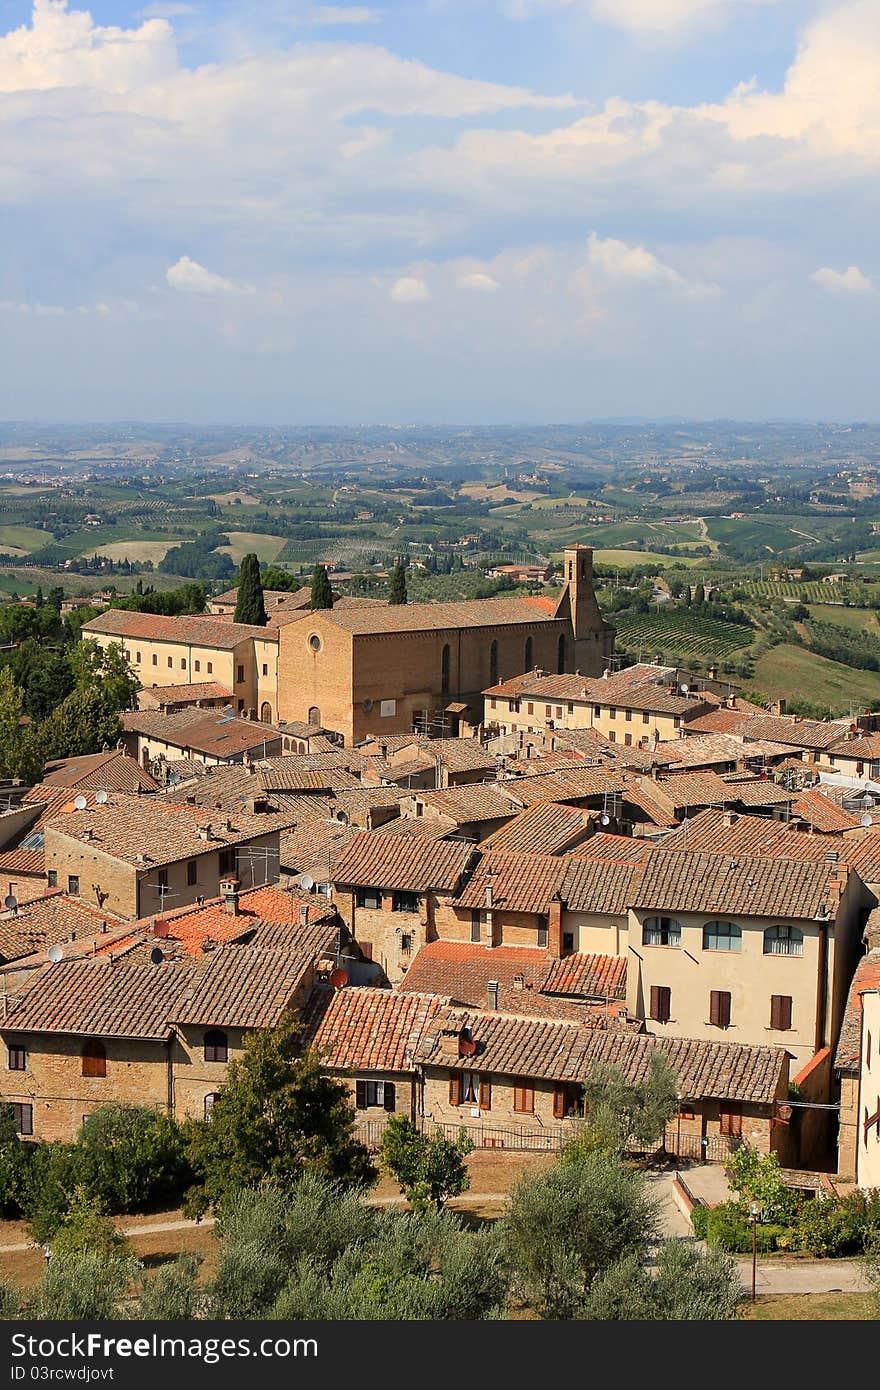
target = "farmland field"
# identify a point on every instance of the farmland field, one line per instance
(786, 670)
(21, 540)
(627, 558)
(138, 550)
(680, 633)
(243, 543)
(857, 619)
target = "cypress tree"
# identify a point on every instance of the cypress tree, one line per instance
(322, 594)
(249, 606)
(397, 584)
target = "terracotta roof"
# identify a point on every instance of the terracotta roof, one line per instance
(566, 784)
(822, 813)
(244, 987)
(544, 827)
(96, 998)
(416, 827)
(714, 831)
(864, 746)
(47, 920)
(31, 862)
(849, 1044)
(298, 778)
(685, 789)
(313, 847)
(272, 598)
(597, 885)
(149, 831)
(760, 792)
(357, 803)
(187, 694)
(430, 617)
(621, 849)
(111, 771)
(475, 801)
(518, 882)
(192, 630)
(208, 731)
(864, 856)
(598, 976)
(456, 754)
(716, 883)
(394, 861)
(562, 1051)
(642, 797)
(706, 750)
(787, 728)
(369, 1029)
(269, 906)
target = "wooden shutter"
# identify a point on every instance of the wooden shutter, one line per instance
(559, 1102)
(661, 1000)
(524, 1098)
(360, 1089)
(731, 1118)
(454, 1088)
(780, 1011)
(485, 1093)
(719, 1008)
(389, 1095)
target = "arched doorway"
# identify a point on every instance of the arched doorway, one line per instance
(314, 715)
(265, 713)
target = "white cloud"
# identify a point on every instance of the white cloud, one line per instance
(191, 278)
(344, 14)
(170, 10)
(849, 281)
(410, 289)
(65, 48)
(478, 280)
(639, 16)
(611, 260)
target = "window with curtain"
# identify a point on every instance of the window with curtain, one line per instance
(783, 941)
(722, 936)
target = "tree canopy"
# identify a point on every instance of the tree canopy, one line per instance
(249, 605)
(322, 593)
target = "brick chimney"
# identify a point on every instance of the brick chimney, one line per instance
(230, 889)
(554, 927)
(492, 996)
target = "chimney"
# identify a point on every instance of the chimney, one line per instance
(492, 996)
(229, 892)
(554, 933)
(729, 818)
(518, 982)
(257, 805)
(713, 672)
(205, 832)
(304, 914)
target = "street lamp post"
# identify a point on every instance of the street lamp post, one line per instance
(754, 1212)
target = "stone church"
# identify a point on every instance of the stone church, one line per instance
(373, 669)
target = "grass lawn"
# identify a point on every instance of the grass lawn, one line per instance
(787, 671)
(858, 619)
(138, 550)
(811, 1307)
(23, 538)
(627, 559)
(243, 543)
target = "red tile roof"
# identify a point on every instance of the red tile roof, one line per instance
(113, 771)
(369, 1029)
(849, 1046)
(394, 861)
(192, 630)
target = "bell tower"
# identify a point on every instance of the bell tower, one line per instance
(593, 638)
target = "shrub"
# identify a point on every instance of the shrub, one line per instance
(728, 1229)
(699, 1220)
(829, 1227)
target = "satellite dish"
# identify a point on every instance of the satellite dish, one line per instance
(157, 955)
(55, 954)
(684, 689)
(101, 797)
(10, 902)
(80, 802)
(867, 820)
(339, 978)
(604, 820)
(307, 882)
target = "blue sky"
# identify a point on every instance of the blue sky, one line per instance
(439, 210)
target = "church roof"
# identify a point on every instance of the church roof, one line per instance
(426, 617)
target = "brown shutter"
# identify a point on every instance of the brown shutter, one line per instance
(719, 1008)
(559, 1102)
(389, 1095)
(529, 1099)
(780, 1011)
(661, 1000)
(454, 1088)
(360, 1095)
(485, 1093)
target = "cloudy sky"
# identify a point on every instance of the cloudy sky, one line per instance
(439, 210)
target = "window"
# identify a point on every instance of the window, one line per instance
(52, 878)
(155, 659)
(686, 1112)
(23, 1115)
(265, 669)
(530, 708)
(646, 718)
(162, 878)
(676, 723)
(597, 710)
(210, 667)
(629, 714)
(469, 1088)
(513, 706)
(524, 1097)
(170, 662)
(198, 666)
(568, 1101)
(661, 931)
(239, 674)
(722, 936)
(241, 705)
(731, 1118)
(374, 1095)
(73, 884)
(719, 1008)
(183, 663)
(406, 942)
(612, 712)
(210, 1101)
(315, 642)
(405, 902)
(628, 738)
(265, 712)
(475, 926)
(94, 1058)
(137, 657)
(567, 943)
(192, 873)
(17, 1057)
(493, 664)
(216, 1046)
(571, 707)
(127, 654)
(315, 716)
(542, 931)
(548, 711)
(783, 941)
(612, 737)
(780, 1015)
(444, 669)
(661, 1000)
(370, 898)
(867, 1044)
(226, 861)
(558, 711)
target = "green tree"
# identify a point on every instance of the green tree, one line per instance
(106, 668)
(81, 1288)
(756, 1177)
(21, 753)
(172, 1294)
(249, 605)
(623, 1116)
(572, 1223)
(38, 596)
(81, 724)
(87, 1229)
(322, 593)
(429, 1168)
(397, 584)
(687, 1285)
(132, 1156)
(279, 1115)
(15, 1155)
(55, 598)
